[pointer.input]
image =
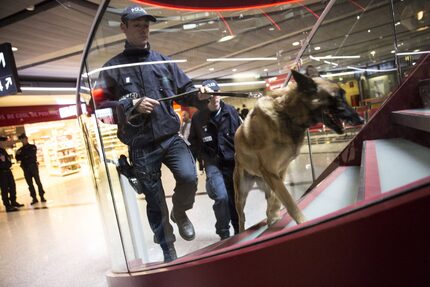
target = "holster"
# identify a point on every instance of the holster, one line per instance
(129, 172)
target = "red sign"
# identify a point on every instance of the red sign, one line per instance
(12, 116)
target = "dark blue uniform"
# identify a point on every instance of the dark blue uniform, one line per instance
(157, 140)
(27, 154)
(212, 139)
(7, 181)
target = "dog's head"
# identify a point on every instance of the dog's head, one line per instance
(326, 101)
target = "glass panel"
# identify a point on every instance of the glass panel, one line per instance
(412, 22)
(260, 44)
(353, 48)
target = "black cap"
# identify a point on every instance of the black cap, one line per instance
(211, 84)
(3, 138)
(134, 12)
(22, 136)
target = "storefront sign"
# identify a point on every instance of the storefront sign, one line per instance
(10, 116)
(9, 84)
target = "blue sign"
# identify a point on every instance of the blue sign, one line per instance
(9, 84)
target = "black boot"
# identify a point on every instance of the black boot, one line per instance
(186, 228)
(169, 253)
(10, 208)
(34, 201)
(17, 204)
(42, 198)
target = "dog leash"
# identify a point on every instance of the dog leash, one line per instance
(132, 114)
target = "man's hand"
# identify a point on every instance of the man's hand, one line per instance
(204, 93)
(147, 105)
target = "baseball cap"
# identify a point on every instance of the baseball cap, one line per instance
(22, 136)
(135, 11)
(211, 84)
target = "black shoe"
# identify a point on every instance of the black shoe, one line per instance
(17, 204)
(224, 235)
(34, 201)
(169, 253)
(11, 209)
(42, 199)
(186, 228)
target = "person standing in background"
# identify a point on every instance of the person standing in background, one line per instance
(27, 155)
(7, 181)
(244, 112)
(212, 139)
(185, 125)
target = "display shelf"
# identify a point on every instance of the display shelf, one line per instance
(62, 157)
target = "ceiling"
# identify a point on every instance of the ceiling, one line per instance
(50, 39)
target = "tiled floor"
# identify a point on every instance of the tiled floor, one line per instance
(61, 242)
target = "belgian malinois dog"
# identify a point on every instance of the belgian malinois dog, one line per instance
(272, 134)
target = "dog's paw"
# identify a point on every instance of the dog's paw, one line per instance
(272, 221)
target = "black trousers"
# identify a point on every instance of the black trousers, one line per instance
(175, 154)
(8, 187)
(30, 172)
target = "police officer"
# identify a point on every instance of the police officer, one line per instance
(27, 154)
(152, 129)
(7, 181)
(212, 138)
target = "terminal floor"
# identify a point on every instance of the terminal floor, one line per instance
(61, 242)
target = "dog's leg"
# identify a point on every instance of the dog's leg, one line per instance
(273, 207)
(282, 193)
(273, 203)
(240, 195)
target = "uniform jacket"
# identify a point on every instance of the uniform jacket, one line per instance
(213, 138)
(7, 164)
(157, 80)
(27, 154)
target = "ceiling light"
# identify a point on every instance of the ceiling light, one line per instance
(373, 53)
(317, 48)
(226, 38)
(413, 53)
(241, 59)
(189, 26)
(420, 15)
(417, 50)
(271, 29)
(48, 89)
(335, 57)
(211, 69)
(358, 17)
(422, 28)
(296, 43)
(392, 51)
(338, 74)
(233, 70)
(14, 49)
(371, 70)
(368, 31)
(30, 8)
(265, 70)
(397, 23)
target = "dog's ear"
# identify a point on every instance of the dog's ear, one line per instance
(304, 84)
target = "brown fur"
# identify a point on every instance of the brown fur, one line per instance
(270, 138)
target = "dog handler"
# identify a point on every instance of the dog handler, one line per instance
(212, 139)
(153, 136)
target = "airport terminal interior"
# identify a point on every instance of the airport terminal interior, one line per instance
(358, 185)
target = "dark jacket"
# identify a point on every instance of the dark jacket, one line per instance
(7, 164)
(158, 80)
(212, 136)
(27, 154)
